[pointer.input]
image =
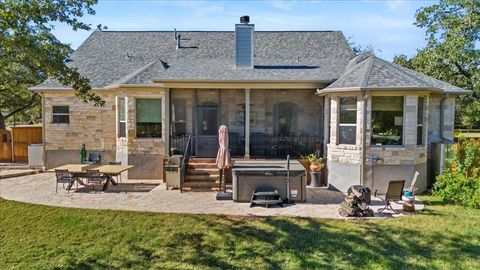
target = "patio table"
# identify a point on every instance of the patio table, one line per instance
(112, 170)
(79, 170)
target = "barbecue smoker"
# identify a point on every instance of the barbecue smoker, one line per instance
(356, 203)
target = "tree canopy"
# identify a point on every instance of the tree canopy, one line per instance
(452, 53)
(30, 53)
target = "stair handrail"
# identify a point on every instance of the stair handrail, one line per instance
(186, 157)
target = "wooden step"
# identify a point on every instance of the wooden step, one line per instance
(201, 189)
(201, 184)
(203, 171)
(201, 177)
(203, 165)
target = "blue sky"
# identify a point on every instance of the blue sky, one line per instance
(387, 25)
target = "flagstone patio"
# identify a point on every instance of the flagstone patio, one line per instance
(152, 196)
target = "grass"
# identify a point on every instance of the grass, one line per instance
(43, 237)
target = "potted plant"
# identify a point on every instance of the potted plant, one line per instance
(316, 166)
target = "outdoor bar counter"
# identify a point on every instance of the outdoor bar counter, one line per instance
(250, 175)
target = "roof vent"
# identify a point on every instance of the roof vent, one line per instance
(179, 37)
(175, 33)
(245, 19)
(244, 39)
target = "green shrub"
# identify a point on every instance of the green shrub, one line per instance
(460, 182)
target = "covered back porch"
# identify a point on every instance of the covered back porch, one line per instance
(281, 121)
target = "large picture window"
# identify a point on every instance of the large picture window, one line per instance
(387, 120)
(60, 114)
(421, 101)
(122, 118)
(149, 118)
(347, 121)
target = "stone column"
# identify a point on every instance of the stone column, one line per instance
(247, 123)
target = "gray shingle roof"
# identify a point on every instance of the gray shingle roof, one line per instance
(368, 71)
(290, 55)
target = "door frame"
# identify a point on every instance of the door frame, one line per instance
(199, 107)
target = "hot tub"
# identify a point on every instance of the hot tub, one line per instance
(251, 175)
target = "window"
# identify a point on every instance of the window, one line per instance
(60, 114)
(387, 120)
(285, 117)
(420, 120)
(179, 117)
(149, 118)
(347, 122)
(122, 118)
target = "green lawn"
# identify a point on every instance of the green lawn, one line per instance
(42, 237)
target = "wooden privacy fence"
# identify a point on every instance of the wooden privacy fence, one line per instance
(14, 142)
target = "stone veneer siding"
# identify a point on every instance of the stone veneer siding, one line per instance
(96, 127)
(394, 162)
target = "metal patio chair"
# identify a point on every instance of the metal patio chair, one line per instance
(394, 193)
(94, 177)
(64, 177)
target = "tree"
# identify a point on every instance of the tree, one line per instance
(30, 53)
(452, 53)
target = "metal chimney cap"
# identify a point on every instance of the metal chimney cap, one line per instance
(245, 19)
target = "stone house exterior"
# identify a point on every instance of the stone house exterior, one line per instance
(302, 91)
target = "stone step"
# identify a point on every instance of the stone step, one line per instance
(202, 160)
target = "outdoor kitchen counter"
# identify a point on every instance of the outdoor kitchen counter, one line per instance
(251, 175)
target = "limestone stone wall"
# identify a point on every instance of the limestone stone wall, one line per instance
(344, 153)
(434, 119)
(89, 125)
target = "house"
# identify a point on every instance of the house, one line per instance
(300, 91)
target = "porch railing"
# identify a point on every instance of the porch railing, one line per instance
(187, 152)
(261, 145)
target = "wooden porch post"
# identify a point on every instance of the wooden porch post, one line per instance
(247, 123)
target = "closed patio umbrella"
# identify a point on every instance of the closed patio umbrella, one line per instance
(223, 161)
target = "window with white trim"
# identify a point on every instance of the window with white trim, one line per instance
(387, 120)
(420, 109)
(148, 118)
(60, 114)
(122, 118)
(347, 120)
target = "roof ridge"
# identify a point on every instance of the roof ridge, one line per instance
(216, 31)
(368, 73)
(129, 76)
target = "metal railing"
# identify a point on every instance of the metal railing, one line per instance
(261, 145)
(186, 158)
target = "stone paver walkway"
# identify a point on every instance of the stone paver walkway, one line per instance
(40, 189)
(9, 173)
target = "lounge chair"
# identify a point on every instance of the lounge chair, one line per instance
(64, 177)
(394, 193)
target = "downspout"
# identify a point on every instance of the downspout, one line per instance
(364, 137)
(43, 132)
(442, 117)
